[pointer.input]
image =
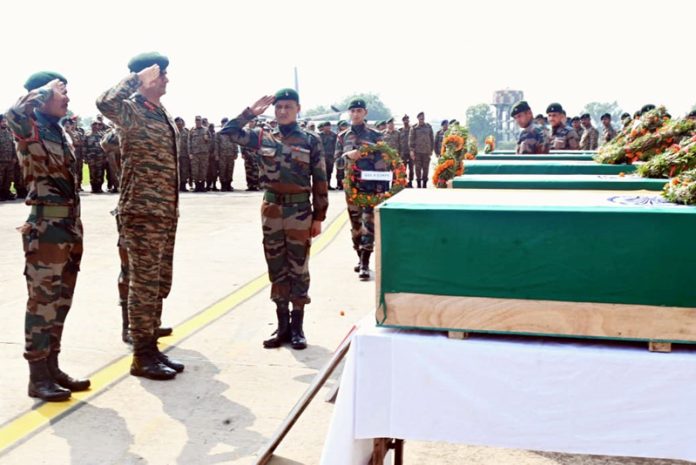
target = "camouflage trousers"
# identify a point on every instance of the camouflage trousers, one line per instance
(123, 277)
(80, 165)
(97, 166)
(286, 245)
(251, 169)
(213, 170)
(362, 227)
(113, 160)
(52, 252)
(184, 169)
(149, 244)
(329, 168)
(6, 177)
(340, 163)
(199, 166)
(422, 166)
(408, 162)
(226, 167)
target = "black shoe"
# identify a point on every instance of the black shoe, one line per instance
(164, 332)
(365, 265)
(182, 187)
(410, 184)
(356, 268)
(282, 334)
(146, 363)
(125, 335)
(42, 385)
(425, 184)
(63, 378)
(297, 337)
(165, 360)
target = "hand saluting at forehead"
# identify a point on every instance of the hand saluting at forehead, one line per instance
(149, 75)
(262, 104)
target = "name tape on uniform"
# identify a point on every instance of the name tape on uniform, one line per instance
(376, 176)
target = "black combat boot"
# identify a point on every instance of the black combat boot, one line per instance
(199, 187)
(182, 187)
(297, 337)
(425, 184)
(365, 265)
(21, 194)
(42, 385)
(62, 378)
(146, 363)
(410, 184)
(125, 336)
(165, 360)
(282, 334)
(163, 332)
(356, 268)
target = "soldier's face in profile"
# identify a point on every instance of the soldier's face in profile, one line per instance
(390, 126)
(357, 115)
(58, 104)
(555, 119)
(523, 119)
(199, 123)
(286, 111)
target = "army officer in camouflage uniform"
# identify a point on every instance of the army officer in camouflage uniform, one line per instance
(562, 136)
(532, 138)
(149, 204)
(293, 174)
(52, 235)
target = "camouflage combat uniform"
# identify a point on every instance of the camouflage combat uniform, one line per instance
(421, 141)
(292, 172)
(439, 137)
(148, 207)
(392, 139)
(78, 138)
(608, 134)
(226, 152)
(184, 159)
(328, 143)
(8, 160)
(52, 235)
(213, 164)
(564, 138)
(589, 139)
(405, 151)
(532, 140)
(96, 159)
(111, 145)
(362, 219)
(199, 152)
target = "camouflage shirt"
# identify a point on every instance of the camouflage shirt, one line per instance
(183, 143)
(77, 139)
(439, 137)
(149, 163)
(564, 138)
(404, 133)
(91, 146)
(421, 139)
(110, 142)
(353, 139)
(225, 147)
(532, 140)
(198, 141)
(608, 133)
(328, 144)
(45, 153)
(290, 163)
(7, 147)
(589, 139)
(392, 139)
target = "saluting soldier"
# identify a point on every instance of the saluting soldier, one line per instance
(293, 175)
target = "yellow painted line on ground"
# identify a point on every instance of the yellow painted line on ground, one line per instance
(32, 421)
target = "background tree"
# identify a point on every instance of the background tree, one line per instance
(597, 109)
(377, 110)
(480, 121)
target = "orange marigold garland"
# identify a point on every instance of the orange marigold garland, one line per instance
(490, 144)
(455, 146)
(393, 159)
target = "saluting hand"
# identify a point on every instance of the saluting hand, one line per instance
(57, 87)
(149, 75)
(261, 104)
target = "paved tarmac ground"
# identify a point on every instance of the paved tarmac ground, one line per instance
(233, 394)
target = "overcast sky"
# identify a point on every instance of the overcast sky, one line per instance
(439, 57)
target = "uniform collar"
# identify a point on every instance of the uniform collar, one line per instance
(287, 129)
(46, 120)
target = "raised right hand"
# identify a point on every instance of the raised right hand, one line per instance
(258, 107)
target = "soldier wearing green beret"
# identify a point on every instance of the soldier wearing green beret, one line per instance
(148, 206)
(293, 174)
(532, 139)
(391, 135)
(52, 234)
(562, 136)
(589, 140)
(328, 142)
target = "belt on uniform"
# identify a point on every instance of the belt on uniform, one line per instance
(272, 197)
(53, 211)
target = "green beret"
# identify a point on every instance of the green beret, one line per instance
(420, 114)
(380, 123)
(519, 107)
(554, 108)
(606, 115)
(287, 94)
(585, 116)
(357, 103)
(390, 120)
(647, 108)
(342, 123)
(42, 78)
(692, 114)
(405, 117)
(145, 60)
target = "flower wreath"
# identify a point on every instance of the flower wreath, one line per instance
(364, 199)
(490, 144)
(454, 149)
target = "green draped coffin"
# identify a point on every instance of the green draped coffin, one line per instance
(542, 167)
(557, 181)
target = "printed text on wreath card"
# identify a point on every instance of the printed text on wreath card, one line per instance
(376, 176)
